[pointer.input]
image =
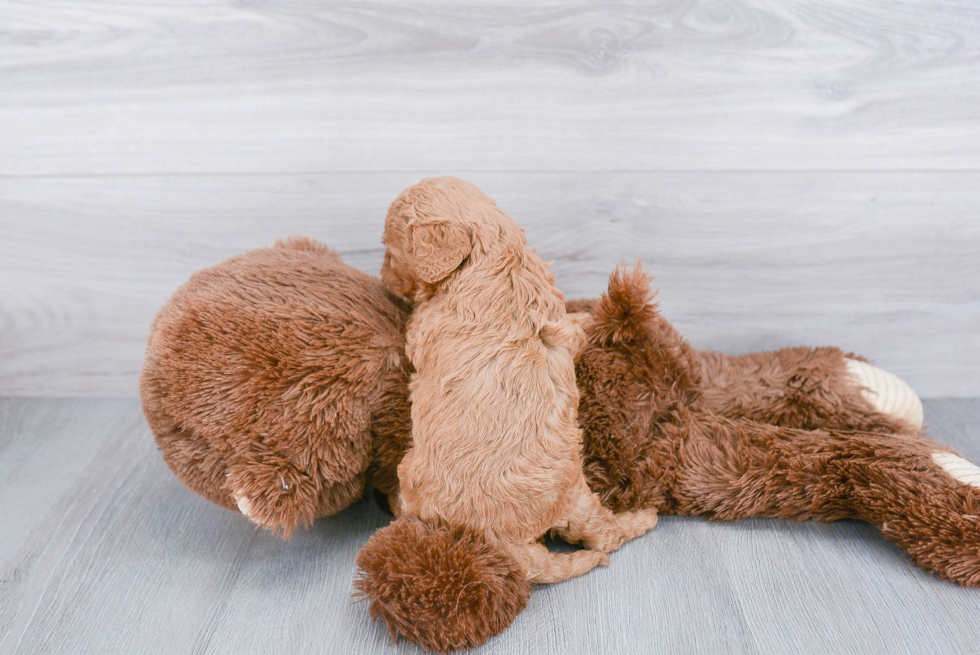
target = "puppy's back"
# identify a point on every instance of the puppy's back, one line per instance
(493, 402)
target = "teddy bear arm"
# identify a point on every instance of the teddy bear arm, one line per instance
(478, 590)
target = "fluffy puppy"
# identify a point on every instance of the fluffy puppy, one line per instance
(496, 443)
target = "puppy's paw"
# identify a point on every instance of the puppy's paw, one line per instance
(888, 393)
(642, 521)
(635, 524)
(621, 528)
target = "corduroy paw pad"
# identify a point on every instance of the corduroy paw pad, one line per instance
(887, 392)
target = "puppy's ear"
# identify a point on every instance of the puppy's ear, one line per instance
(437, 248)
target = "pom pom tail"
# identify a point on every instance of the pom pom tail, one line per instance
(443, 589)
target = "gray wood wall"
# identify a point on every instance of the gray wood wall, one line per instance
(794, 172)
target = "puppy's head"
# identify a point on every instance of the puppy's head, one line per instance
(433, 228)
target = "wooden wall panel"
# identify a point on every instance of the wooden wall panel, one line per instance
(794, 172)
(300, 85)
(882, 263)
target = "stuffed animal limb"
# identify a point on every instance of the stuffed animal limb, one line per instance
(797, 387)
(921, 495)
(479, 592)
(809, 388)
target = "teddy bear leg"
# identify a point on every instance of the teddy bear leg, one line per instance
(929, 504)
(595, 527)
(921, 496)
(546, 567)
(734, 469)
(808, 389)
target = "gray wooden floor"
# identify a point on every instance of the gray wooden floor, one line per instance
(103, 551)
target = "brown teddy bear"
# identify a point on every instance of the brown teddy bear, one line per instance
(276, 384)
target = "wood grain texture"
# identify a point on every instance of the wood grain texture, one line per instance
(106, 87)
(103, 551)
(884, 263)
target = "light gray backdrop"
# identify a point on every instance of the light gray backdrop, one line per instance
(793, 172)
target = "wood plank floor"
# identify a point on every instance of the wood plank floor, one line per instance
(103, 551)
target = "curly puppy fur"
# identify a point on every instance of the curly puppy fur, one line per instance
(266, 378)
(495, 442)
(445, 589)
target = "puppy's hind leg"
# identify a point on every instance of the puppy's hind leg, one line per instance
(545, 567)
(597, 528)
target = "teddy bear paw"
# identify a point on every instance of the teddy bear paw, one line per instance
(244, 506)
(888, 393)
(961, 470)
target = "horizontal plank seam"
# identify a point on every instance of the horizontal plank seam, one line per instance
(6, 176)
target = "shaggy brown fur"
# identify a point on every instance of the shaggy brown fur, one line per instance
(444, 589)
(495, 442)
(267, 376)
(650, 440)
(806, 388)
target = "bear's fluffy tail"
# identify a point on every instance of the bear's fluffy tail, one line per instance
(443, 589)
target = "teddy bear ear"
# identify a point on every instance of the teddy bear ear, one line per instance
(438, 248)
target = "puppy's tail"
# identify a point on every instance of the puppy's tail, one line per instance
(305, 243)
(443, 589)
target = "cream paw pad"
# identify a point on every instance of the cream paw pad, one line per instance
(887, 392)
(244, 506)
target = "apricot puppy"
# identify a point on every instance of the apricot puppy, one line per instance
(496, 443)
